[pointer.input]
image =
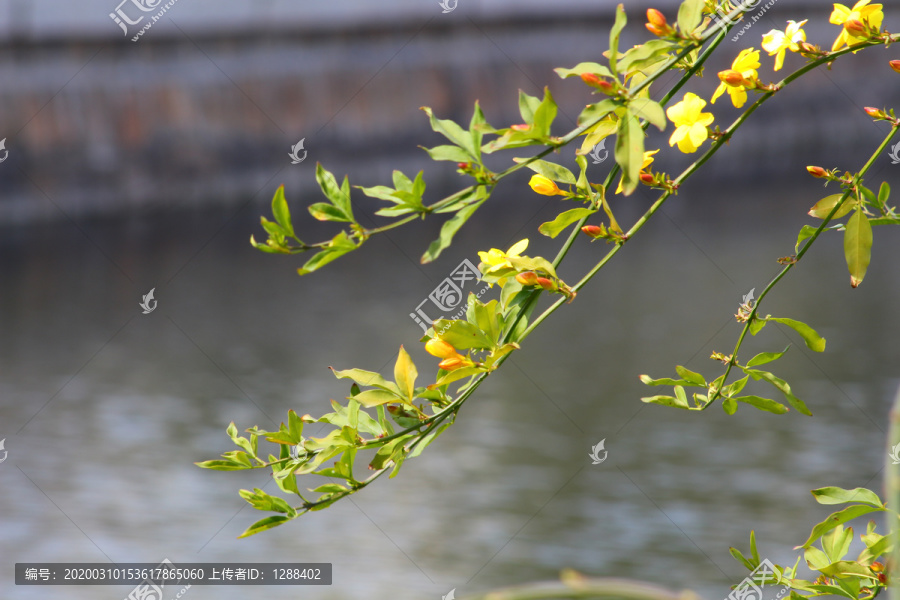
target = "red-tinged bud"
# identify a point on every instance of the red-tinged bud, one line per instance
(463, 165)
(875, 113)
(452, 363)
(654, 17)
(594, 231)
(877, 567)
(818, 172)
(647, 178)
(520, 127)
(732, 78)
(527, 278)
(895, 65)
(546, 284)
(595, 81)
(655, 30)
(856, 28)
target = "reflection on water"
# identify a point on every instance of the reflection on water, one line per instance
(105, 409)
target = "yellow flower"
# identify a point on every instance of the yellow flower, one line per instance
(544, 186)
(648, 160)
(495, 261)
(862, 12)
(746, 64)
(690, 123)
(778, 42)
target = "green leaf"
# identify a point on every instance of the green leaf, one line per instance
(691, 376)
(735, 387)
(448, 230)
(666, 401)
(650, 110)
(447, 152)
(630, 151)
(765, 404)
(581, 68)
(756, 324)
(592, 113)
(741, 558)
(813, 340)
(838, 518)
(782, 386)
(647, 380)
(527, 105)
(367, 378)
(463, 335)
(549, 170)
(645, 55)
(823, 207)
(327, 212)
(264, 524)
(858, 246)
(405, 373)
(836, 495)
(371, 398)
(221, 465)
(614, 34)
(765, 357)
(884, 193)
(452, 131)
(455, 375)
(729, 405)
(544, 116)
(260, 500)
(563, 220)
(340, 245)
(281, 211)
(339, 196)
(805, 232)
(689, 15)
(753, 551)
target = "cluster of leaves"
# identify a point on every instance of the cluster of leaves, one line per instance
(861, 578)
(477, 345)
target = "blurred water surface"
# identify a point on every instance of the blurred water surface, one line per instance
(105, 409)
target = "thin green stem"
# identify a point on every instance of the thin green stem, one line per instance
(809, 242)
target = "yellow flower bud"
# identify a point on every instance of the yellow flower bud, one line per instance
(895, 65)
(731, 77)
(654, 17)
(856, 28)
(817, 172)
(544, 186)
(440, 348)
(454, 362)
